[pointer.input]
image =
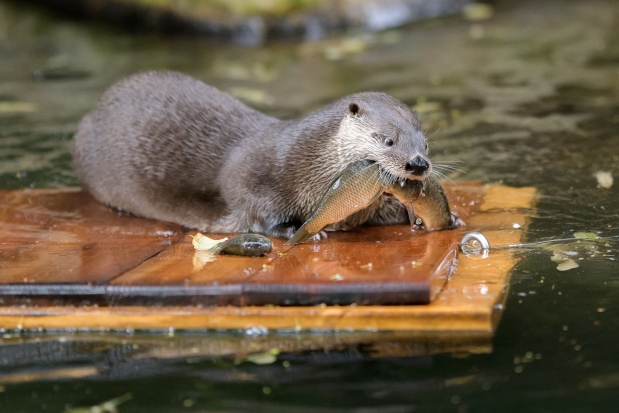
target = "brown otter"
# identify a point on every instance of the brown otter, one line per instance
(166, 146)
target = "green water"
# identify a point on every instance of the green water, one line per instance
(527, 98)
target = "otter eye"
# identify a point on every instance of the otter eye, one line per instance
(389, 142)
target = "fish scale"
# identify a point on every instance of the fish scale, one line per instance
(428, 201)
(356, 188)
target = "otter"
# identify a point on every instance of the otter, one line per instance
(166, 146)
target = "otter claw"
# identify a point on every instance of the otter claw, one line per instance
(456, 222)
(319, 236)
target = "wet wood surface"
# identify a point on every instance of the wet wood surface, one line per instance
(69, 262)
(65, 237)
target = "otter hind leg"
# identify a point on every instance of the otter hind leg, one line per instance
(204, 212)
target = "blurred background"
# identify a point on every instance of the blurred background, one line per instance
(523, 92)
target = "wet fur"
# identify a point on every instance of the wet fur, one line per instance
(163, 145)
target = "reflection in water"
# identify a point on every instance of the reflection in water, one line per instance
(201, 258)
(31, 358)
(526, 98)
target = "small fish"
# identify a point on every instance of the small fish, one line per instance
(356, 188)
(425, 200)
(248, 245)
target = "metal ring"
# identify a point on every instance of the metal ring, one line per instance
(475, 243)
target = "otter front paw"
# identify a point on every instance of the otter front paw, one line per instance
(456, 222)
(319, 236)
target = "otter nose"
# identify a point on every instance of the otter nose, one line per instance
(417, 166)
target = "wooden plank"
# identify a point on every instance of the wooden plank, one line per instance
(70, 254)
(68, 237)
(334, 271)
(470, 302)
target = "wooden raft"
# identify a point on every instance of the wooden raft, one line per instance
(68, 262)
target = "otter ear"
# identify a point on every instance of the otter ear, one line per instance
(415, 115)
(354, 109)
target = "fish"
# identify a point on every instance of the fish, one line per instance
(354, 189)
(360, 185)
(425, 200)
(247, 245)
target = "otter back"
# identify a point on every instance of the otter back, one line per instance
(166, 146)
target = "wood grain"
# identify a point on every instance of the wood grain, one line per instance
(65, 236)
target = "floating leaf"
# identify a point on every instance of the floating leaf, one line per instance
(605, 179)
(109, 406)
(566, 265)
(268, 357)
(557, 257)
(585, 235)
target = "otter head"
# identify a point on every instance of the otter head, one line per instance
(387, 132)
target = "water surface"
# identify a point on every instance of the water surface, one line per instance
(527, 98)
